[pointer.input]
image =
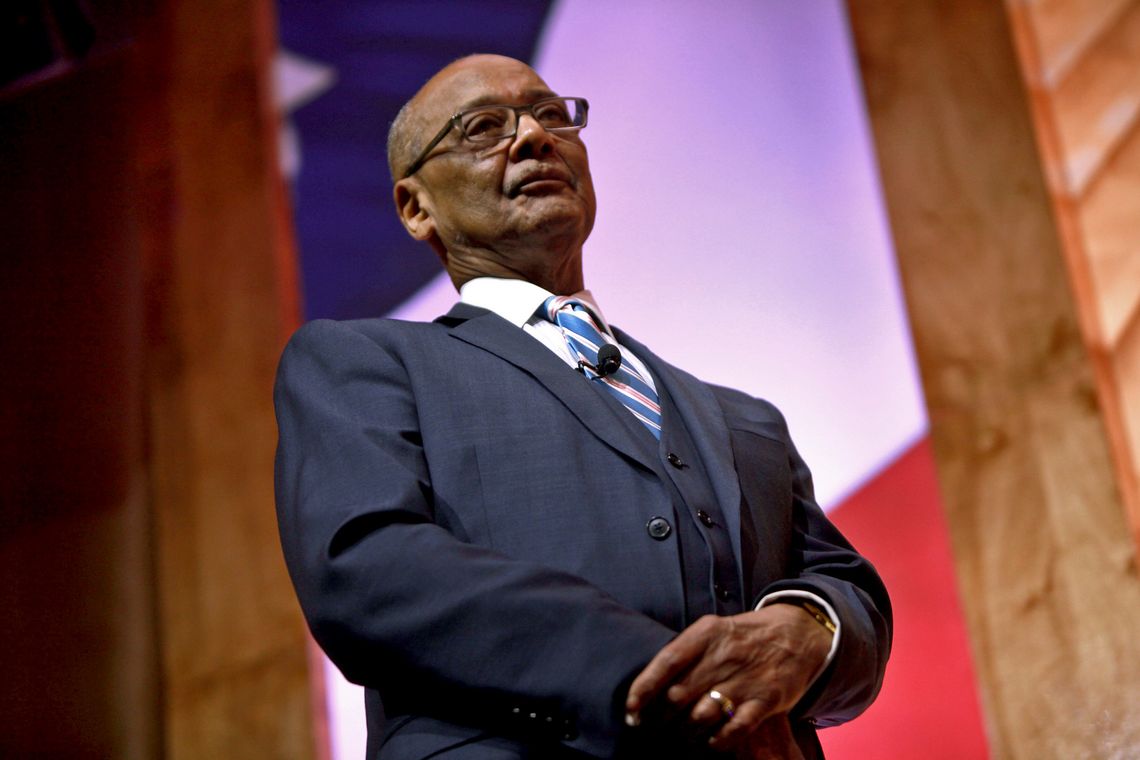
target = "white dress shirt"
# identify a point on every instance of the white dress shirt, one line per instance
(517, 301)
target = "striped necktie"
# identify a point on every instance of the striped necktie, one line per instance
(584, 339)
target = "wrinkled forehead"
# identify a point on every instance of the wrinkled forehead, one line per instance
(481, 81)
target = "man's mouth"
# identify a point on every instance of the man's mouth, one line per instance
(545, 180)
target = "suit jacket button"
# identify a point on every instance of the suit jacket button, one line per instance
(704, 517)
(675, 460)
(659, 528)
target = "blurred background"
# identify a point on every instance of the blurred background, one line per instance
(920, 219)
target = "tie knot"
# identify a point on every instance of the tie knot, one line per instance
(551, 306)
(570, 312)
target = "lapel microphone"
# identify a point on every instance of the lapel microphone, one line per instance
(609, 361)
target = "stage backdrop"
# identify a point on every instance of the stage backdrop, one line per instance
(739, 218)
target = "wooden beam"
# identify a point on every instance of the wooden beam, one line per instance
(79, 663)
(235, 672)
(1044, 557)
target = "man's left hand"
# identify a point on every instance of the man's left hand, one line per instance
(762, 662)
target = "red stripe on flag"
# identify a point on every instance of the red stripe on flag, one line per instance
(929, 705)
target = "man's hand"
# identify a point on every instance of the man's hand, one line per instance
(763, 661)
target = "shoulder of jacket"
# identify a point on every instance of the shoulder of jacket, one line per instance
(741, 405)
(369, 327)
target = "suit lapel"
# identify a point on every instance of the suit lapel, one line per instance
(694, 402)
(486, 330)
(704, 419)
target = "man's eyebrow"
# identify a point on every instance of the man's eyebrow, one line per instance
(492, 100)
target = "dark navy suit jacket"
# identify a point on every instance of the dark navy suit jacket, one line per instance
(464, 519)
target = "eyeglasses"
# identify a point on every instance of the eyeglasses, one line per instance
(486, 124)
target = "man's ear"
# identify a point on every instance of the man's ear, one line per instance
(417, 220)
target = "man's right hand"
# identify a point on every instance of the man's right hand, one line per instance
(761, 661)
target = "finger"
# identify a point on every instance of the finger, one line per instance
(721, 660)
(673, 659)
(660, 671)
(737, 729)
(712, 708)
(712, 669)
(771, 738)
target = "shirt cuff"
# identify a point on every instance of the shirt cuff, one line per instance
(818, 601)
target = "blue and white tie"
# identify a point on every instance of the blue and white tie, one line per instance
(584, 339)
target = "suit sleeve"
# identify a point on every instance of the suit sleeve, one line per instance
(823, 562)
(831, 567)
(438, 625)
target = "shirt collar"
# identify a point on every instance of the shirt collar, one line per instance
(517, 300)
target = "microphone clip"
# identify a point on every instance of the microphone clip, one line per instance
(609, 361)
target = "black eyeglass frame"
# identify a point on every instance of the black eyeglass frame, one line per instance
(457, 121)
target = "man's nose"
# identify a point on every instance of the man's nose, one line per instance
(531, 139)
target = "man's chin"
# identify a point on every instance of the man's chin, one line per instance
(557, 203)
(557, 222)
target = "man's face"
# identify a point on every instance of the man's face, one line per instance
(533, 189)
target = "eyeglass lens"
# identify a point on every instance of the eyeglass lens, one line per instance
(494, 122)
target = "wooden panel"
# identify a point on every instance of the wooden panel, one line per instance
(1099, 102)
(79, 669)
(138, 193)
(234, 647)
(1066, 28)
(1043, 552)
(1126, 370)
(1095, 200)
(1110, 226)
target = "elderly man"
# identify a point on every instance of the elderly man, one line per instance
(525, 534)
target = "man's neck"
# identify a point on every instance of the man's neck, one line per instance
(559, 281)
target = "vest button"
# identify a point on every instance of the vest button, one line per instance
(675, 460)
(659, 528)
(704, 517)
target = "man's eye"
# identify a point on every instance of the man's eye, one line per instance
(485, 124)
(552, 115)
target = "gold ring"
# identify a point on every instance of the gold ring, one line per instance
(724, 703)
